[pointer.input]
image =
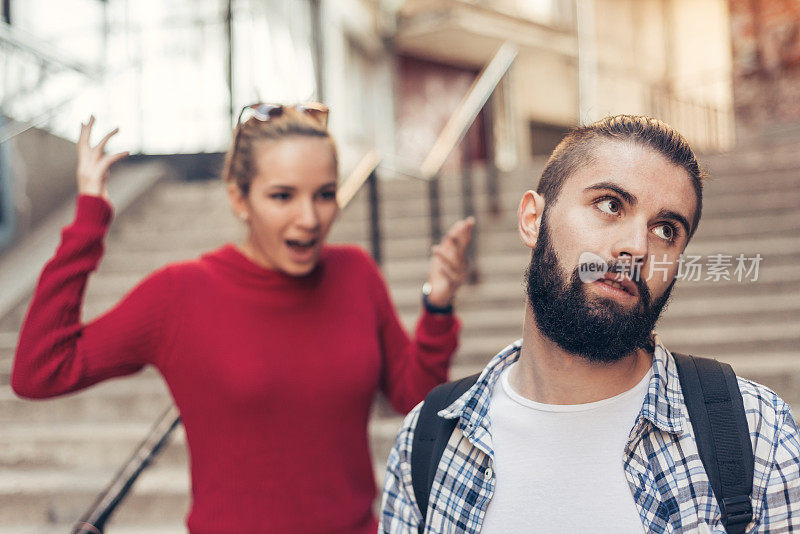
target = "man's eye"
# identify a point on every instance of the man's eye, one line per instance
(667, 232)
(610, 206)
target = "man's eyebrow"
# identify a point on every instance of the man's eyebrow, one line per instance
(626, 196)
(675, 216)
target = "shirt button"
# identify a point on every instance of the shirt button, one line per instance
(488, 473)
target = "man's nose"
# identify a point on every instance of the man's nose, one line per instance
(632, 241)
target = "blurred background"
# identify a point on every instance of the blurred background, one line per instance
(441, 108)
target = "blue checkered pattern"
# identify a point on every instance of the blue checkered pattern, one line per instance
(664, 471)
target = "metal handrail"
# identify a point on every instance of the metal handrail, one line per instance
(95, 519)
(351, 185)
(397, 165)
(22, 41)
(50, 60)
(18, 127)
(454, 131)
(469, 108)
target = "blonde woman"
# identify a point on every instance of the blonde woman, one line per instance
(273, 349)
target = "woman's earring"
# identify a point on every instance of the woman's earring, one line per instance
(243, 216)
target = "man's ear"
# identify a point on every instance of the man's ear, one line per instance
(529, 217)
(238, 202)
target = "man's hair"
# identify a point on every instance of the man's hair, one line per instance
(576, 150)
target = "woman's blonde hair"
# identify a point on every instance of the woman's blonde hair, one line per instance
(240, 161)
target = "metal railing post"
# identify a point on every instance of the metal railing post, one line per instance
(468, 205)
(375, 218)
(492, 185)
(95, 519)
(434, 206)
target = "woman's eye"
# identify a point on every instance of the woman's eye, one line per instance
(279, 196)
(667, 232)
(328, 195)
(610, 206)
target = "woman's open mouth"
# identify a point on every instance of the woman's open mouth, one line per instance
(302, 250)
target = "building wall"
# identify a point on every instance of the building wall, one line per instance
(765, 37)
(359, 79)
(38, 176)
(665, 58)
(427, 95)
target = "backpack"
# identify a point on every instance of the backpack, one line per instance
(715, 408)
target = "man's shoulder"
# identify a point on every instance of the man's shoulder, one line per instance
(771, 422)
(409, 425)
(400, 457)
(762, 402)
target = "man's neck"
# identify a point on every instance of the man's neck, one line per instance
(546, 373)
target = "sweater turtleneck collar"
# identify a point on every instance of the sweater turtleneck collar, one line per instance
(235, 262)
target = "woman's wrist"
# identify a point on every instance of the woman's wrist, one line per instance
(432, 307)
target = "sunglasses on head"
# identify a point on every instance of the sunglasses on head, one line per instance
(265, 112)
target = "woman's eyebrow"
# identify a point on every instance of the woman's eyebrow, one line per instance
(628, 197)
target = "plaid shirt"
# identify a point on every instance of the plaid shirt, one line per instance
(665, 474)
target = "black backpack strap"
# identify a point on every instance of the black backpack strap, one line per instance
(716, 409)
(431, 436)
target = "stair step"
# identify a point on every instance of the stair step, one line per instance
(112, 528)
(64, 445)
(57, 454)
(44, 496)
(140, 399)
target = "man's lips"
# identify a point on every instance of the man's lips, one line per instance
(620, 281)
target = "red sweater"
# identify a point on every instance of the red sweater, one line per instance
(274, 376)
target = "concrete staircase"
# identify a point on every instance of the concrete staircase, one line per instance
(56, 455)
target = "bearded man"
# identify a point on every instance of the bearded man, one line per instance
(582, 425)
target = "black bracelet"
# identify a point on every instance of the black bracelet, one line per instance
(439, 310)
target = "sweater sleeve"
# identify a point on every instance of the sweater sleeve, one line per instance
(412, 366)
(56, 353)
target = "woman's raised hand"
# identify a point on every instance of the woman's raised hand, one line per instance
(448, 267)
(93, 163)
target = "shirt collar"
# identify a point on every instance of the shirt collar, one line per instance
(662, 405)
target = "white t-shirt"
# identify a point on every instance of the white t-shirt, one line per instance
(558, 468)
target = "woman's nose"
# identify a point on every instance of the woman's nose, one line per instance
(307, 217)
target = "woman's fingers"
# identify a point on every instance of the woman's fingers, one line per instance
(460, 234)
(101, 146)
(83, 139)
(93, 163)
(448, 264)
(454, 275)
(109, 160)
(449, 257)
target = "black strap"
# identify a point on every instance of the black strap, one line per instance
(431, 436)
(714, 402)
(716, 410)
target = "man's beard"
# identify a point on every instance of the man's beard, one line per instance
(598, 329)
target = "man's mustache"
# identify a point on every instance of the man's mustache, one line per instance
(621, 267)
